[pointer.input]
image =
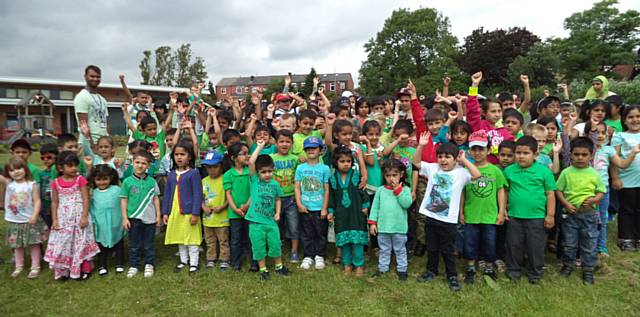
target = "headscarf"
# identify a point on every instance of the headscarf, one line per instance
(604, 92)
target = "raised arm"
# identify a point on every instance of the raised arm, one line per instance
(473, 170)
(625, 163)
(328, 134)
(524, 106)
(424, 140)
(254, 157)
(445, 87)
(125, 89)
(127, 117)
(473, 107)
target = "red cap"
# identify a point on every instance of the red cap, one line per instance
(282, 97)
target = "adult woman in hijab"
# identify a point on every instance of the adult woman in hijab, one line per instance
(599, 89)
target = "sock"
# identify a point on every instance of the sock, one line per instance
(194, 255)
(36, 255)
(184, 253)
(279, 266)
(263, 269)
(19, 255)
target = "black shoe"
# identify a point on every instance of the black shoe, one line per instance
(377, 274)
(254, 268)
(426, 277)
(264, 275)
(102, 271)
(454, 285)
(403, 276)
(628, 245)
(514, 278)
(491, 273)
(587, 277)
(469, 276)
(63, 279)
(534, 281)
(566, 270)
(179, 267)
(284, 271)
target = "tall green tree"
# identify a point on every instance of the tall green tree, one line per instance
(412, 44)
(182, 58)
(164, 67)
(307, 88)
(171, 67)
(599, 38)
(541, 64)
(493, 51)
(145, 67)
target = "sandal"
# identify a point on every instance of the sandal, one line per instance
(16, 272)
(337, 261)
(35, 271)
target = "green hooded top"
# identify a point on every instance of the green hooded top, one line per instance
(604, 92)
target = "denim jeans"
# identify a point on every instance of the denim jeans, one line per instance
(480, 239)
(396, 242)
(580, 231)
(459, 244)
(289, 213)
(141, 237)
(604, 219)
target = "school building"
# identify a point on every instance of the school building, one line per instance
(241, 86)
(61, 94)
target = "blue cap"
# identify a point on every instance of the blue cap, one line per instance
(212, 158)
(313, 142)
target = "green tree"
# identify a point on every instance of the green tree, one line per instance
(198, 70)
(182, 58)
(308, 82)
(599, 39)
(171, 68)
(541, 64)
(412, 44)
(164, 67)
(493, 51)
(145, 67)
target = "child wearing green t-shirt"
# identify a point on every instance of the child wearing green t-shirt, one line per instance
(580, 190)
(306, 123)
(531, 208)
(264, 213)
(485, 204)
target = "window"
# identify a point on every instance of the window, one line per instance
(66, 95)
(332, 86)
(223, 91)
(23, 93)
(343, 85)
(12, 93)
(45, 92)
(239, 90)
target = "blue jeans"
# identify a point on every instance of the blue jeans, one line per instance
(141, 237)
(604, 219)
(396, 242)
(580, 231)
(480, 238)
(239, 242)
(289, 213)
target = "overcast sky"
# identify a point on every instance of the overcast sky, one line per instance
(56, 39)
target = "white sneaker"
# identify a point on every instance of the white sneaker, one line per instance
(320, 263)
(132, 272)
(306, 263)
(148, 270)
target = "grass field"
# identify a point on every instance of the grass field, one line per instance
(327, 293)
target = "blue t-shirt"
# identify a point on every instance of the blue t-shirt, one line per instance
(312, 179)
(628, 141)
(544, 159)
(601, 162)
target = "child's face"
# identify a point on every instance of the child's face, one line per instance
(289, 124)
(169, 141)
(541, 137)
(552, 132)
(140, 165)
(493, 113)
(601, 138)
(320, 123)
(525, 156)
(373, 135)
(242, 157)
(363, 110)
(265, 173)
(598, 113)
(105, 150)
(615, 110)
(345, 135)
(214, 171)
(312, 153)
(48, 159)
(345, 163)
(21, 153)
(460, 136)
(397, 133)
(392, 176)
(434, 126)
(306, 125)
(506, 157)
(263, 136)
(343, 115)
(70, 146)
(379, 108)
(213, 139)
(181, 157)
(70, 170)
(580, 157)
(479, 153)
(17, 174)
(565, 111)
(553, 109)
(231, 141)
(102, 182)
(512, 125)
(223, 123)
(446, 161)
(150, 130)
(632, 120)
(508, 104)
(283, 144)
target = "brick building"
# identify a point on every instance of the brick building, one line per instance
(241, 86)
(61, 94)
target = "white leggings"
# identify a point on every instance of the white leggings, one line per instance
(189, 254)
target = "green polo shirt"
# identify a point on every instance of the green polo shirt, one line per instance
(139, 193)
(527, 190)
(240, 186)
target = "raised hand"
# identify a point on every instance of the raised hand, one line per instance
(446, 81)
(524, 79)
(452, 115)
(316, 80)
(424, 138)
(363, 139)
(121, 77)
(557, 145)
(461, 156)
(331, 118)
(287, 80)
(476, 78)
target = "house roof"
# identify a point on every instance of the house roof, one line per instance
(61, 82)
(265, 80)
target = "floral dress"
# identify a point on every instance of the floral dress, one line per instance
(346, 202)
(70, 245)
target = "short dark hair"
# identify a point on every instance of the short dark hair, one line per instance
(404, 124)
(226, 115)
(49, 148)
(505, 96)
(307, 114)
(93, 68)
(263, 161)
(461, 125)
(261, 127)
(66, 158)
(433, 115)
(507, 144)
(448, 148)
(285, 133)
(615, 100)
(140, 143)
(22, 144)
(547, 100)
(341, 150)
(147, 121)
(228, 134)
(171, 131)
(544, 120)
(66, 138)
(529, 142)
(145, 154)
(582, 142)
(512, 113)
(371, 124)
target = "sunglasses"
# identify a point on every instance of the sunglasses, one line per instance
(47, 157)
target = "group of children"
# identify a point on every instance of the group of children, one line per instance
(469, 177)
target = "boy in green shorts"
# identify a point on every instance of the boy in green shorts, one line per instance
(264, 212)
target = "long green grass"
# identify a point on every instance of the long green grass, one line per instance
(314, 293)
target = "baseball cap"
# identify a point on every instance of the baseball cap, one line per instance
(478, 138)
(403, 92)
(313, 142)
(212, 158)
(282, 97)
